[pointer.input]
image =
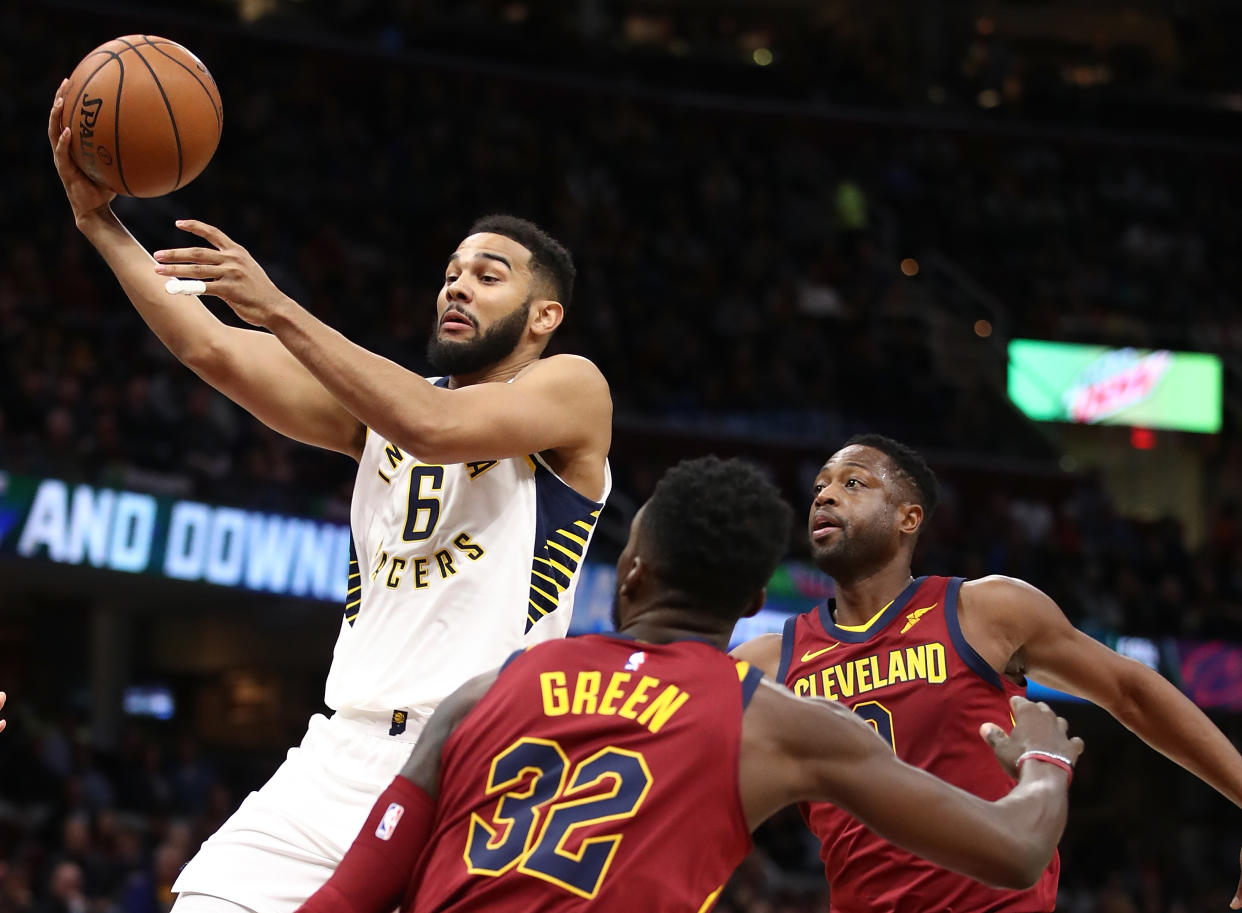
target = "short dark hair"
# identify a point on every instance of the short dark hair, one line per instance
(910, 463)
(715, 530)
(549, 260)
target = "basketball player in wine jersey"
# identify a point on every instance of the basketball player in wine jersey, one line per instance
(926, 660)
(624, 772)
(476, 498)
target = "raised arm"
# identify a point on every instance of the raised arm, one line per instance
(376, 869)
(1035, 632)
(797, 749)
(250, 367)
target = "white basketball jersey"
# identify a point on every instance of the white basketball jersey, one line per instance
(453, 568)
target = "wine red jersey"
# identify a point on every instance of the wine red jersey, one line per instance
(598, 773)
(911, 675)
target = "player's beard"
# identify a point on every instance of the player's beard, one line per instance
(860, 550)
(484, 350)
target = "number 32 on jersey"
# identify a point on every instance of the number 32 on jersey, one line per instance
(542, 801)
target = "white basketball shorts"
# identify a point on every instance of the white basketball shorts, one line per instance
(286, 839)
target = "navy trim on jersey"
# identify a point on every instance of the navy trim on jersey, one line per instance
(787, 648)
(964, 649)
(512, 656)
(442, 381)
(897, 606)
(353, 585)
(753, 676)
(564, 521)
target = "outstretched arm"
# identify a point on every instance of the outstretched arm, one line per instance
(797, 749)
(560, 403)
(376, 869)
(250, 367)
(1057, 654)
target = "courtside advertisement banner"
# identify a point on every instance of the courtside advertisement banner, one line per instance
(1097, 385)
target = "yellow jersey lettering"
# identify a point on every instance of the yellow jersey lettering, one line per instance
(629, 709)
(916, 661)
(826, 680)
(845, 679)
(801, 687)
(555, 694)
(663, 707)
(586, 693)
(863, 667)
(896, 667)
(608, 705)
(937, 670)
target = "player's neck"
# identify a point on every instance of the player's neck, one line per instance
(499, 373)
(858, 600)
(665, 624)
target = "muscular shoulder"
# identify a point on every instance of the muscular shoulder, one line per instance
(998, 615)
(569, 369)
(763, 652)
(996, 593)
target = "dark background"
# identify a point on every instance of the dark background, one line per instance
(1052, 170)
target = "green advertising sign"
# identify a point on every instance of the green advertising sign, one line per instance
(1147, 388)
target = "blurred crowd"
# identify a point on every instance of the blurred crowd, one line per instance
(739, 271)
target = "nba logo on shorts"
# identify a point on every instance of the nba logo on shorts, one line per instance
(388, 823)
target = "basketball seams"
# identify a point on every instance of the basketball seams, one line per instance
(149, 152)
(172, 118)
(197, 76)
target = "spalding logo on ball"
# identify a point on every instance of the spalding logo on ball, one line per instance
(145, 115)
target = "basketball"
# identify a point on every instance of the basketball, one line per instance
(145, 114)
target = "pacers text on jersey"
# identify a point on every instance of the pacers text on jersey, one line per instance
(926, 662)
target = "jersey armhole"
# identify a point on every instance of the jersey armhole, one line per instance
(750, 681)
(971, 658)
(787, 648)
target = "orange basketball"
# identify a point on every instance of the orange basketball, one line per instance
(145, 115)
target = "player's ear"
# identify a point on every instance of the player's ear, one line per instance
(910, 519)
(632, 577)
(546, 316)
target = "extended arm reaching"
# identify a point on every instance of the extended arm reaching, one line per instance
(1055, 653)
(250, 367)
(799, 749)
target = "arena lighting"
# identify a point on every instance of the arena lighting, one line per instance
(1098, 385)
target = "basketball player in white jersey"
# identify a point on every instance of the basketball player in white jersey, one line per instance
(476, 497)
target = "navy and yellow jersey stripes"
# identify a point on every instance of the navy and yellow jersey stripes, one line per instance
(597, 774)
(442, 573)
(353, 589)
(911, 674)
(564, 522)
